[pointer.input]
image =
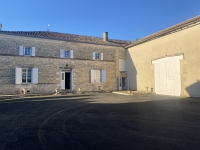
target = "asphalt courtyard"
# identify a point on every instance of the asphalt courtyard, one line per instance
(100, 122)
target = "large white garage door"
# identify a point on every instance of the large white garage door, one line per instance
(167, 75)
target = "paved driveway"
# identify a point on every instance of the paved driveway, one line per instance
(100, 121)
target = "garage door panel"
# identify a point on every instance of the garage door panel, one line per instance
(167, 77)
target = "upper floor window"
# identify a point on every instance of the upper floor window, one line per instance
(97, 56)
(26, 51)
(66, 53)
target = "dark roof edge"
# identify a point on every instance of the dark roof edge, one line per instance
(65, 40)
(73, 38)
(175, 28)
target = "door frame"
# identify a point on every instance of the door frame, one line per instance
(71, 79)
(119, 82)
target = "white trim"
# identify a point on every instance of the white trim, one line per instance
(101, 56)
(18, 75)
(93, 55)
(71, 54)
(62, 82)
(61, 53)
(30, 48)
(21, 50)
(33, 51)
(34, 75)
(103, 76)
(91, 75)
(71, 79)
(167, 59)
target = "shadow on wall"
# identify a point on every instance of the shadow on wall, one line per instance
(194, 89)
(131, 71)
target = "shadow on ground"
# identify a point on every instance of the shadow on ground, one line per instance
(100, 121)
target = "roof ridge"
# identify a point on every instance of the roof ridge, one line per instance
(67, 37)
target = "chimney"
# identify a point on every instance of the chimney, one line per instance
(105, 36)
(1, 27)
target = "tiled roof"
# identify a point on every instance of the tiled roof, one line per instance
(66, 37)
(172, 29)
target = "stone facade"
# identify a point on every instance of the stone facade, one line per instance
(47, 60)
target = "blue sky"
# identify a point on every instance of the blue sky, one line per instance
(123, 19)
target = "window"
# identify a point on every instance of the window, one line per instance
(66, 54)
(97, 76)
(27, 51)
(26, 75)
(97, 56)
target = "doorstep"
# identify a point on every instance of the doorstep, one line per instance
(131, 92)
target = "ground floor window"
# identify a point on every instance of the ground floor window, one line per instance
(26, 75)
(97, 76)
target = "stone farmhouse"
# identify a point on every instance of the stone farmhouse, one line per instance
(44, 61)
(166, 62)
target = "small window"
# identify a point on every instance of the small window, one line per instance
(97, 56)
(26, 75)
(66, 54)
(27, 51)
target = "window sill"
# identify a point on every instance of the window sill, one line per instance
(26, 83)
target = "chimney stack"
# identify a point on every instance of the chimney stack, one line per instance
(105, 36)
(1, 27)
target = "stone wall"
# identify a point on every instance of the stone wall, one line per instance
(50, 65)
(50, 48)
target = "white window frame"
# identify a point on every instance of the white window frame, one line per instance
(33, 76)
(26, 75)
(66, 51)
(22, 51)
(97, 56)
(27, 48)
(70, 52)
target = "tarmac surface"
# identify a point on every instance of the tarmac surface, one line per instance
(103, 121)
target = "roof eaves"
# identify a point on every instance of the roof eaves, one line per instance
(40, 34)
(175, 28)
